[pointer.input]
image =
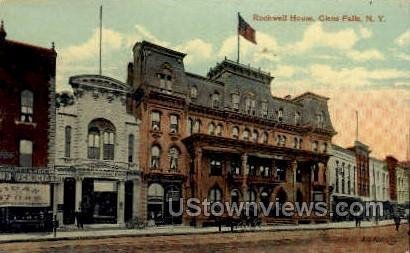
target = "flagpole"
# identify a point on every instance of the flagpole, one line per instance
(100, 71)
(237, 33)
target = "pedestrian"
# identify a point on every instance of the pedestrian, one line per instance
(79, 218)
(358, 219)
(397, 221)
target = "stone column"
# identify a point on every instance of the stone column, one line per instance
(120, 201)
(60, 200)
(136, 193)
(78, 192)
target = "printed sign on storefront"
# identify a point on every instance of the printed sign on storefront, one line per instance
(24, 195)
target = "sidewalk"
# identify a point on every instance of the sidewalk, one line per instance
(168, 230)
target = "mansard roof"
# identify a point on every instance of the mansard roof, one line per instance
(98, 82)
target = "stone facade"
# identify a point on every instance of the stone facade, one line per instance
(402, 179)
(224, 136)
(97, 146)
(379, 180)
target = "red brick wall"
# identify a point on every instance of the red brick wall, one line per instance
(391, 168)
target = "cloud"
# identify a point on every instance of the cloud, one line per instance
(366, 55)
(196, 50)
(365, 33)
(403, 39)
(315, 36)
(285, 71)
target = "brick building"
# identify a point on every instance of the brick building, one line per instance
(362, 153)
(224, 137)
(27, 128)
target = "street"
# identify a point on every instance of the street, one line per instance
(376, 239)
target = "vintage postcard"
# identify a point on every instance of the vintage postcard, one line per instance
(204, 126)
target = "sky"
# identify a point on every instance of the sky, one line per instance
(359, 65)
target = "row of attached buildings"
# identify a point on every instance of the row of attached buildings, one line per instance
(125, 151)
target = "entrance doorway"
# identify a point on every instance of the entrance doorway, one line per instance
(69, 201)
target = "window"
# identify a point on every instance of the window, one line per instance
(320, 119)
(264, 109)
(324, 147)
(26, 153)
(298, 175)
(250, 196)
(281, 140)
(67, 138)
(93, 143)
(255, 135)
(174, 124)
(235, 194)
(211, 128)
(235, 167)
(155, 156)
(194, 92)
(219, 128)
(235, 132)
(215, 99)
(245, 135)
(300, 143)
(26, 106)
(235, 101)
(130, 148)
(197, 127)
(295, 142)
(297, 118)
(155, 121)
(108, 147)
(280, 172)
(315, 173)
(248, 107)
(315, 145)
(280, 115)
(216, 167)
(173, 156)
(189, 126)
(264, 138)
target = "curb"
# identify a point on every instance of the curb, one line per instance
(91, 237)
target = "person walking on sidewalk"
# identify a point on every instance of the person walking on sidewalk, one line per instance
(397, 221)
(79, 218)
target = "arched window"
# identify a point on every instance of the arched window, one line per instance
(211, 128)
(215, 195)
(101, 130)
(194, 92)
(235, 132)
(248, 107)
(155, 156)
(264, 138)
(280, 114)
(173, 158)
(130, 148)
(155, 201)
(219, 128)
(264, 109)
(320, 117)
(215, 99)
(26, 106)
(245, 135)
(197, 127)
(255, 135)
(235, 101)
(67, 141)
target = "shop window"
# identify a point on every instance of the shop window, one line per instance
(27, 106)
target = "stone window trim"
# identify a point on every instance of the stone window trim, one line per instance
(235, 132)
(235, 99)
(246, 134)
(215, 99)
(155, 155)
(280, 115)
(174, 154)
(193, 92)
(174, 123)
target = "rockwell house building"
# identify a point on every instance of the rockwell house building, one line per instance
(96, 152)
(224, 137)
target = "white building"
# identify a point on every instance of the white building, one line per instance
(402, 183)
(379, 180)
(96, 153)
(342, 177)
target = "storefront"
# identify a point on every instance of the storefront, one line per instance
(102, 193)
(25, 199)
